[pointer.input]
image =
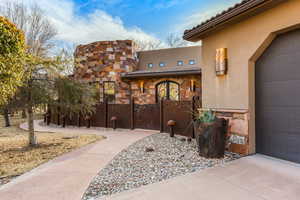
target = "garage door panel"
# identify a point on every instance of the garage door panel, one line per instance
(283, 68)
(292, 148)
(295, 121)
(277, 75)
(272, 144)
(284, 44)
(280, 145)
(279, 118)
(283, 93)
(273, 120)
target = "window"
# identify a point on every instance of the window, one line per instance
(192, 62)
(167, 90)
(109, 91)
(150, 65)
(179, 63)
(162, 64)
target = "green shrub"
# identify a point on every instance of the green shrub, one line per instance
(206, 116)
(12, 54)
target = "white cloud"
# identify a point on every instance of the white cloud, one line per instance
(76, 29)
(167, 4)
(200, 16)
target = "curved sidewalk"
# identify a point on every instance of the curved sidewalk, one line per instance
(254, 177)
(68, 176)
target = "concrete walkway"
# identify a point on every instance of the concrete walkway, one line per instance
(68, 176)
(250, 178)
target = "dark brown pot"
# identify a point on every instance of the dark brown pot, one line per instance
(210, 138)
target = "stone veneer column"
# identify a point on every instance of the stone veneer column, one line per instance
(106, 61)
(238, 130)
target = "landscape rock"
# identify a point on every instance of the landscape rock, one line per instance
(135, 167)
(149, 149)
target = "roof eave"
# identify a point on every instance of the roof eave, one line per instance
(235, 15)
(161, 74)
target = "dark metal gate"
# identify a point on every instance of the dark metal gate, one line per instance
(181, 112)
(148, 116)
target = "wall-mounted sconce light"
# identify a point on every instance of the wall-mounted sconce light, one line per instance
(142, 83)
(193, 86)
(221, 61)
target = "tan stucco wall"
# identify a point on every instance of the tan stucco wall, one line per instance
(245, 42)
(170, 57)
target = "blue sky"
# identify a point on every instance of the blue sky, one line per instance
(153, 16)
(85, 21)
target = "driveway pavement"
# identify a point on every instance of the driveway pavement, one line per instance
(68, 176)
(251, 178)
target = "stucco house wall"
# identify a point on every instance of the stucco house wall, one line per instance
(170, 57)
(245, 41)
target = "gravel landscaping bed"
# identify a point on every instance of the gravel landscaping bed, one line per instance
(152, 159)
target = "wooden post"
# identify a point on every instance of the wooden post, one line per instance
(58, 114)
(49, 115)
(88, 123)
(6, 117)
(193, 115)
(172, 131)
(161, 115)
(79, 119)
(106, 112)
(114, 122)
(64, 121)
(132, 113)
(58, 119)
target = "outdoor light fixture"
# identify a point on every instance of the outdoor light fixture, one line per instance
(142, 83)
(193, 86)
(221, 61)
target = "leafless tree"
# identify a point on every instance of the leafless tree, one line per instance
(39, 36)
(39, 32)
(144, 45)
(67, 56)
(174, 41)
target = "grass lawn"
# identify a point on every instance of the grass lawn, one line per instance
(17, 158)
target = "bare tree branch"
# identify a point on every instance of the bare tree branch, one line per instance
(67, 57)
(174, 41)
(39, 32)
(143, 45)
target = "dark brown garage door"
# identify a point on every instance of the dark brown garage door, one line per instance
(278, 98)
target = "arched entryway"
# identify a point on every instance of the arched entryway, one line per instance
(167, 90)
(277, 98)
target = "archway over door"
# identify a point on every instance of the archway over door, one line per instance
(167, 90)
(277, 98)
